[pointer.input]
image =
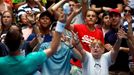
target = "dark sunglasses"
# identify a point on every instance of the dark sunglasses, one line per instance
(127, 11)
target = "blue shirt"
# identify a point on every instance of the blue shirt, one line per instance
(59, 63)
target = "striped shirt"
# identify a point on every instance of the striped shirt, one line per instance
(125, 24)
(25, 8)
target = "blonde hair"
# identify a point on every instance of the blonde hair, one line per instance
(94, 42)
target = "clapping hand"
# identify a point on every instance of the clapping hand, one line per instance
(121, 34)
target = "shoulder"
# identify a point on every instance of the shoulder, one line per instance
(22, 6)
(79, 26)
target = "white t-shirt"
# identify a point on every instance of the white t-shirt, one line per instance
(93, 66)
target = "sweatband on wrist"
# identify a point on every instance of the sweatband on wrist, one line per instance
(60, 27)
(66, 8)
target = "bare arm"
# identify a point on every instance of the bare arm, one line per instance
(119, 7)
(56, 36)
(39, 4)
(78, 49)
(130, 36)
(115, 50)
(19, 4)
(93, 7)
(70, 18)
(57, 5)
(84, 8)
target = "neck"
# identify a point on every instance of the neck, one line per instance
(97, 57)
(45, 31)
(14, 53)
(106, 27)
(91, 27)
(116, 26)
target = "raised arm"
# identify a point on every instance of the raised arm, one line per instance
(56, 36)
(78, 51)
(40, 6)
(70, 18)
(114, 52)
(57, 5)
(84, 8)
(130, 36)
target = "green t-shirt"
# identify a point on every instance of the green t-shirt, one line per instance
(18, 1)
(21, 65)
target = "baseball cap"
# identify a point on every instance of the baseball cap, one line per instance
(114, 12)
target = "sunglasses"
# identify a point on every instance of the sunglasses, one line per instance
(127, 11)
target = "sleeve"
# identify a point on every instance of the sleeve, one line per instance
(109, 58)
(44, 46)
(86, 59)
(37, 58)
(21, 11)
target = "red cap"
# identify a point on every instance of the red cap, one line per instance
(114, 11)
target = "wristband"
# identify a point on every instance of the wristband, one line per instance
(66, 8)
(60, 27)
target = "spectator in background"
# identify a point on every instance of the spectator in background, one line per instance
(61, 59)
(106, 5)
(31, 7)
(120, 67)
(7, 21)
(97, 62)
(105, 23)
(87, 31)
(22, 65)
(9, 2)
(4, 6)
(127, 11)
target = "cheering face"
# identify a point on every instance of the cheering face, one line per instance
(45, 22)
(91, 18)
(97, 49)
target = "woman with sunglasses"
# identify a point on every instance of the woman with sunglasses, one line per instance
(127, 11)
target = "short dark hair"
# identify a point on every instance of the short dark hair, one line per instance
(13, 39)
(48, 14)
(105, 13)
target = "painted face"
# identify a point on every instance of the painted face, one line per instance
(97, 50)
(106, 20)
(45, 22)
(91, 18)
(7, 19)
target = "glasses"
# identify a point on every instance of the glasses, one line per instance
(71, 5)
(127, 11)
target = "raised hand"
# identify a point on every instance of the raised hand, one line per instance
(128, 18)
(121, 34)
(77, 8)
(62, 17)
